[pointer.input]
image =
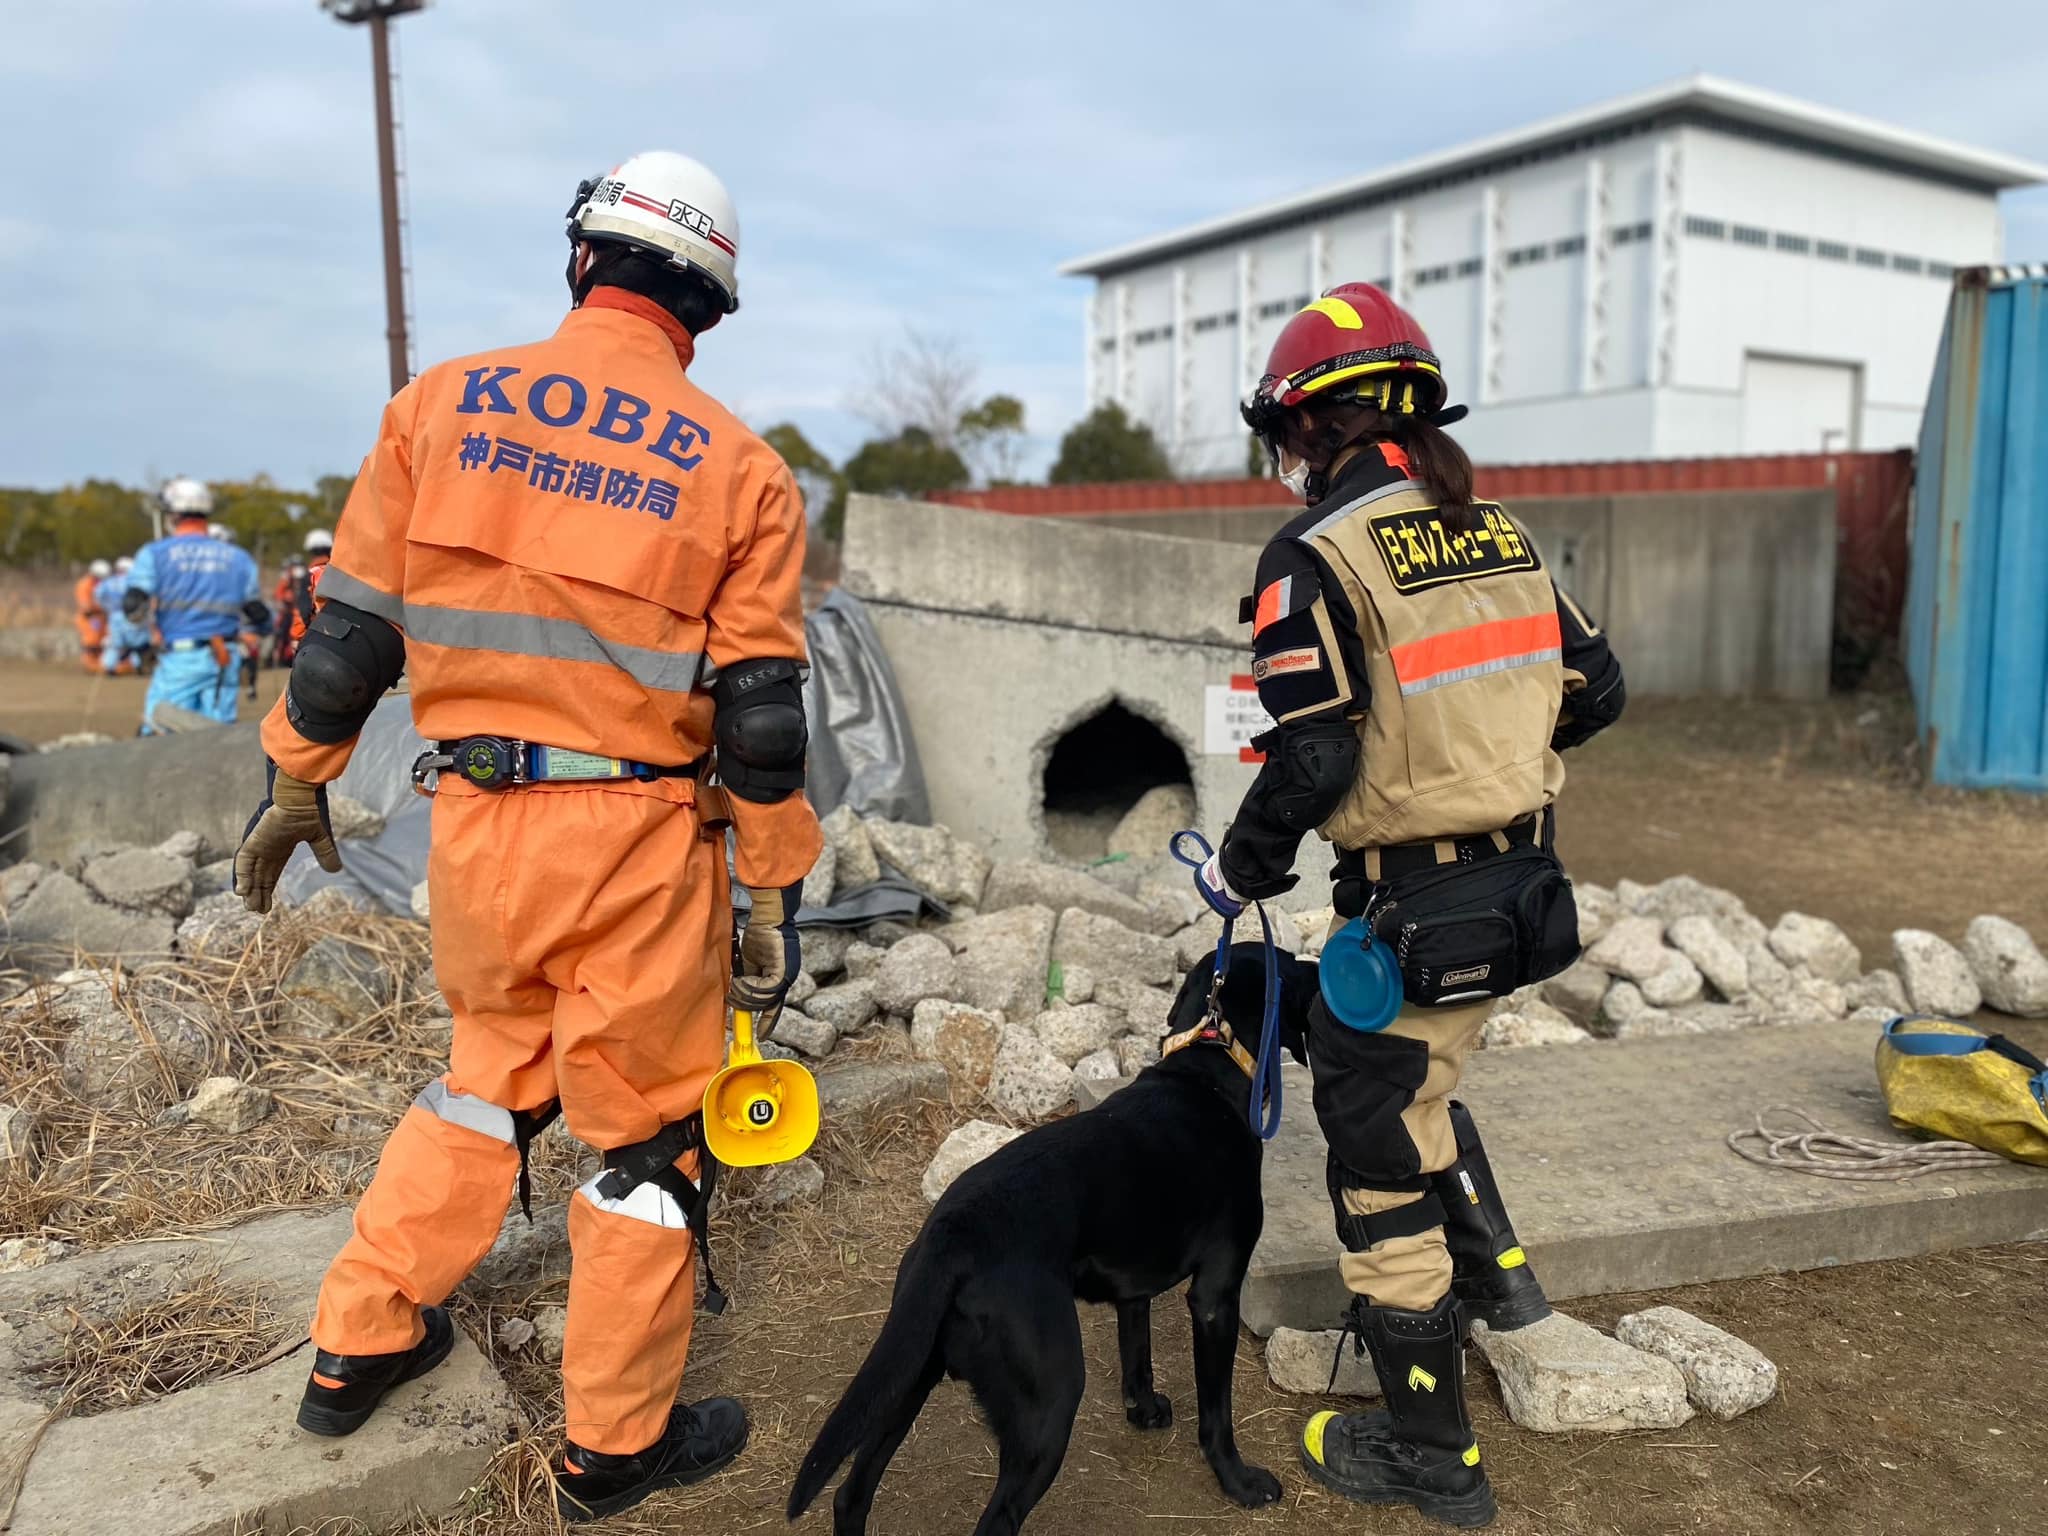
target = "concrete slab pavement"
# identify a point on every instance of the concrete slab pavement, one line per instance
(1614, 1160)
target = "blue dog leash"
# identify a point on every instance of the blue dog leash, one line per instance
(1265, 1102)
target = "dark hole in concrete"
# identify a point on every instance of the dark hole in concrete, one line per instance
(1097, 772)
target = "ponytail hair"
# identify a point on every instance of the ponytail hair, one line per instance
(1439, 463)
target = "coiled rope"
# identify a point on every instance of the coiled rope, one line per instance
(1832, 1155)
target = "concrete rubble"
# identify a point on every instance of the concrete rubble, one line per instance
(1560, 1375)
(1299, 1360)
(963, 1147)
(1723, 1375)
(1936, 976)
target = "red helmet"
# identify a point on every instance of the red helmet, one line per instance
(1353, 343)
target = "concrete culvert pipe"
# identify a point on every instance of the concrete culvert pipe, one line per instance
(1097, 773)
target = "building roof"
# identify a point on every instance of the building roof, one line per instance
(1703, 96)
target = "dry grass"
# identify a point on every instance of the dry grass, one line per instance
(208, 1329)
(34, 599)
(113, 1173)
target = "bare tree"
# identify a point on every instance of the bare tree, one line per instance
(921, 380)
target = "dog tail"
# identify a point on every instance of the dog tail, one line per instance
(901, 1354)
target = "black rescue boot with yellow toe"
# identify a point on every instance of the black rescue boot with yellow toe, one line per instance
(1490, 1275)
(1420, 1450)
(344, 1390)
(700, 1439)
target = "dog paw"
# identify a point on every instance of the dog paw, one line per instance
(1151, 1411)
(1249, 1486)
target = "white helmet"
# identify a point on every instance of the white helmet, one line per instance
(124, 565)
(182, 496)
(668, 204)
(319, 542)
(101, 569)
(220, 532)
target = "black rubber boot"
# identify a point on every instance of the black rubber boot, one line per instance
(701, 1438)
(1420, 1450)
(1490, 1275)
(344, 1390)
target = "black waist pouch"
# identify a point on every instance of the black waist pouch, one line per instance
(1462, 932)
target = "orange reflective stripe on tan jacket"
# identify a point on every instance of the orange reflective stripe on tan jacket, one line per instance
(574, 537)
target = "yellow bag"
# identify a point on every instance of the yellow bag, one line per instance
(1945, 1079)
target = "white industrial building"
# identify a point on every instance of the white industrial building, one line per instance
(1701, 269)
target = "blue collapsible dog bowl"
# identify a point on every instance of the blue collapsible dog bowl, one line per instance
(1360, 981)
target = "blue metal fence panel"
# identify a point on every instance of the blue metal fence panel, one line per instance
(1977, 606)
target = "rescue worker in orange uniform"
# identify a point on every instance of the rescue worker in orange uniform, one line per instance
(1423, 673)
(590, 570)
(90, 617)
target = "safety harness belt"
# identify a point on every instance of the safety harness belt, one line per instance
(653, 1161)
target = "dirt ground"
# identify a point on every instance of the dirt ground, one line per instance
(1914, 1399)
(39, 701)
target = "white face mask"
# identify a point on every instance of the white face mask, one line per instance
(1296, 478)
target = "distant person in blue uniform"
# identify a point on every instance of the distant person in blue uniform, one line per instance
(127, 644)
(199, 591)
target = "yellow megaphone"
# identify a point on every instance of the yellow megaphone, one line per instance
(758, 1111)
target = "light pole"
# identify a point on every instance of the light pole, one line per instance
(379, 14)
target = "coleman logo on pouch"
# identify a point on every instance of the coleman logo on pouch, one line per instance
(1307, 658)
(1421, 552)
(1470, 973)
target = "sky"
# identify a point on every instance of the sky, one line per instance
(190, 277)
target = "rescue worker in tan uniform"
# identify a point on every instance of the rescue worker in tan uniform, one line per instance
(1423, 673)
(590, 570)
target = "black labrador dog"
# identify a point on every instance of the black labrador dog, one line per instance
(1157, 1185)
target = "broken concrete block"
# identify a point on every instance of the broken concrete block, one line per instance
(1077, 984)
(142, 880)
(965, 1146)
(1633, 948)
(1937, 978)
(1027, 1080)
(808, 1036)
(2010, 970)
(58, 914)
(1145, 1009)
(219, 925)
(922, 966)
(1196, 944)
(824, 950)
(961, 1038)
(109, 1058)
(421, 902)
(551, 1327)
(1148, 827)
(797, 1182)
(852, 850)
(333, 985)
(1509, 1031)
(1577, 991)
(1598, 911)
(863, 960)
(1027, 882)
(821, 884)
(226, 1105)
(1878, 989)
(847, 1007)
(1676, 983)
(1819, 945)
(1723, 1375)
(1561, 1375)
(349, 819)
(1299, 1361)
(187, 845)
(932, 859)
(1098, 1066)
(16, 882)
(1134, 1053)
(1071, 1033)
(20, 1253)
(852, 1096)
(1712, 953)
(1109, 949)
(224, 1457)
(1682, 896)
(1003, 958)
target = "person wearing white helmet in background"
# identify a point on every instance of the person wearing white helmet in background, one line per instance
(304, 578)
(590, 571)
(199, 592)
(111, 583)
(88, 615)
(129, 646)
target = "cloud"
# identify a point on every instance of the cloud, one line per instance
(193, 277)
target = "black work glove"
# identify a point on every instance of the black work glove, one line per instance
(770, 953)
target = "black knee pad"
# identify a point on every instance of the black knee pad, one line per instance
(1363, 1085)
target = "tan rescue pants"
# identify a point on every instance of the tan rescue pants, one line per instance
(1414, 1273)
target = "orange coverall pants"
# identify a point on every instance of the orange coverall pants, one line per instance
(582, 936)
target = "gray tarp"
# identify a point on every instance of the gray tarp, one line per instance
(861, 755)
